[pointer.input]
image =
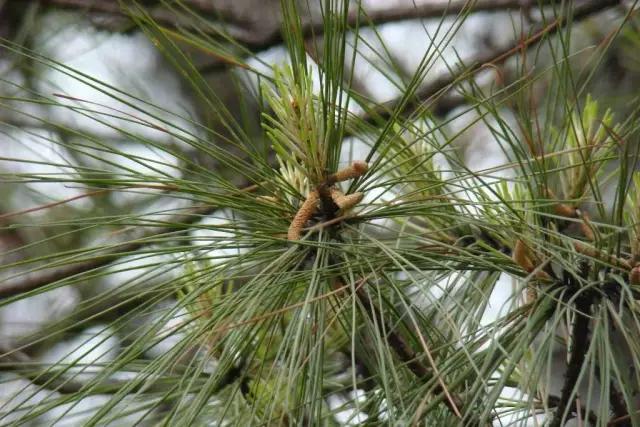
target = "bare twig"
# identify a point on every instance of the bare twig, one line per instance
(395, 12)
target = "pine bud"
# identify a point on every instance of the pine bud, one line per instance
(361, 167)
(585, 250)
(350, 200)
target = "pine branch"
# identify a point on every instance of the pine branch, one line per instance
(620, 411)
(403, 350)
(580, 343)
(616, 401)
(554, 401)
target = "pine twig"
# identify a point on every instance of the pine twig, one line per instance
(620, 411)
(580, 337)
(623, 421)
(591, 416)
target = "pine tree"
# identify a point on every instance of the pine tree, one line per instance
(301, 249)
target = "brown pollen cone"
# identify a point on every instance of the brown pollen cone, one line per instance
(303, 215)
(345, 201)
(355, 170)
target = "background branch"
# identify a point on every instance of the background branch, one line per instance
(430, 94)
(256, 32)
